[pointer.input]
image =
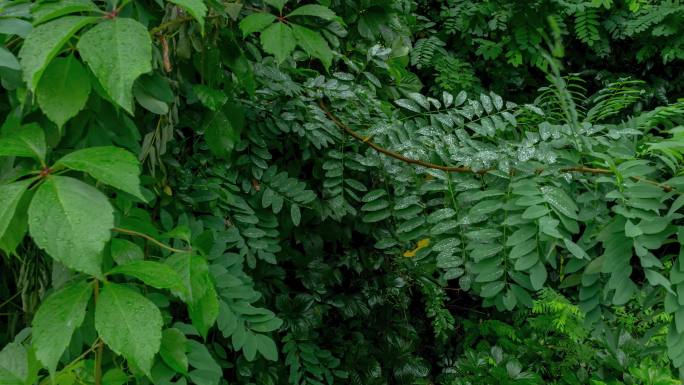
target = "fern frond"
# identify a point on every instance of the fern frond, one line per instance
(615, 98)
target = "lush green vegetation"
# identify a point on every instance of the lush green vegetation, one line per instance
(341, 192)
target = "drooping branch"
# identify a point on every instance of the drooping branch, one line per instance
(464, 169)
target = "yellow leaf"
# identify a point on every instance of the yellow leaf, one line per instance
(423, 243)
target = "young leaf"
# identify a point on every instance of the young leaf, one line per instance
(278, 40)
(56, 319)
(313, 10)
(196, 8)
(173, 350)
(108, 164)
(63, 90)
(129, 324)
(256, 22)
(10, 196)
(313, 43)
(153, 273)
(72, 222)
(44, 43)
(26, 141)
(118, 51)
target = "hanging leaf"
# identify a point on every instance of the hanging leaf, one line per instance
(44, 43)
(108, 164)
(63, 89)
(313, 43)
(278, 40)
(57, 318)
(118, 51)
(129, 324)
(71, 221)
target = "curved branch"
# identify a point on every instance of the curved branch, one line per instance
(149, 238)
(464, 169)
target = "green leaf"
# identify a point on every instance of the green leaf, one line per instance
(26, 141)
(10, 196)
(63, 89)
(220, 135)
(44, 43)
(491, 289)
(559, 200)
(313, 10)
(72, 222)
(153, 273)
(313, 43)
(632, 230)
(118, 51)
(256, 22)
(195, 8)
(14, 230)
(534, 212)
(173, 350)
(56, 319)
(124, 251)
(296, 214)
(51, 10)
(207, 371)
(655, 279)
(278, 40)
(538, 276)
(204, 310)
(8, 60)
(249, 348)
(129, 324)
(15, 26)
(267, 347)
(115, 376)
(575, 250)
(278, 4)
(108, 164)
(211, 98)
(18, 365)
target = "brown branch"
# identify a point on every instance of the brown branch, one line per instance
(391, 153)
(464, 169)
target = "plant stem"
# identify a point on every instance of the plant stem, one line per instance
(100, 345)
(156, 242)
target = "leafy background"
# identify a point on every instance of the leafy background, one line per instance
(341, 192)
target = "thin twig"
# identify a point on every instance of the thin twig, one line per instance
(149, 238)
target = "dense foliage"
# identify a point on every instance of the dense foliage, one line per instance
(341, 192)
